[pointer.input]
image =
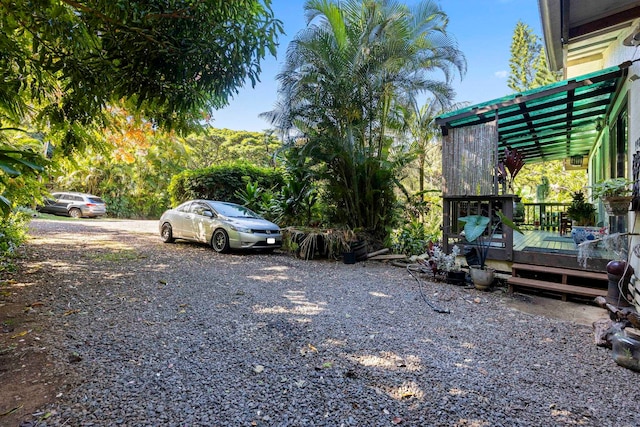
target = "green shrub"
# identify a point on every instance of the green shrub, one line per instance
(412, 239)
(221, 182)
(13, 232)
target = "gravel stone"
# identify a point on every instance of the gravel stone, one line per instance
(173, 335)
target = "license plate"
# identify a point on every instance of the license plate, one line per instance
(271, 241)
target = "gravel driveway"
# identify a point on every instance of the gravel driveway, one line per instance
(175, 334)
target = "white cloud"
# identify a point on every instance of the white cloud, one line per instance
(501, 74)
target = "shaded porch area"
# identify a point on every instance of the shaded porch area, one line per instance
(565, 121)
(540, 259)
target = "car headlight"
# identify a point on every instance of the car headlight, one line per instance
(240, 229)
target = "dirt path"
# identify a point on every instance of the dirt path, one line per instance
(30, 376)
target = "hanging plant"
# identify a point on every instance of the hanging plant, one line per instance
(508, 169)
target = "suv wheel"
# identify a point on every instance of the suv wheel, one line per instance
(75, 213)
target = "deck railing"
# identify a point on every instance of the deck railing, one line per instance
(454, 207)
(544, 216)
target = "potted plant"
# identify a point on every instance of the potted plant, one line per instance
(615, 194)
(583, 215)
(448, 264)
(474, 229)
(581, 211)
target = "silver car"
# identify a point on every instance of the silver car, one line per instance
(223, 225)
(74, 204)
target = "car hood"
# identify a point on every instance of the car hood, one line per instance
(254, 223)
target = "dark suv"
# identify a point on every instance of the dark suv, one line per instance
(76, 205)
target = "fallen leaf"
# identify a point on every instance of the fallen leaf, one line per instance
(397, 420)
(11, 411)
(258, 369)
(312, 348)
(45, 416)
(327, 365)
(19, 334)
(36, 304)
(477, 300)
(70, 312)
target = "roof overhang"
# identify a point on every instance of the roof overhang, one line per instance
(552, 122)
(585, 29)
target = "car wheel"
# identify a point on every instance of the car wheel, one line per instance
(220, 241)
(167, 233)
(75, 213)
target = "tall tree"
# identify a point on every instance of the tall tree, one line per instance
(63, 61)
(525, 48)
(214, 146)
(543, 75)
(528, 61)
(342, 78)
(172, 60)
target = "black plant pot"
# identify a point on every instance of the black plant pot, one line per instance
(349, 257)
(456, 277)
(360, 250)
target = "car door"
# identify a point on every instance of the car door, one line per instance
(181, 220)
(202, 222)
(61, 203)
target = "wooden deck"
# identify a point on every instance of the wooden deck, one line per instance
(544, 240)
(554, 250)
(548, 262)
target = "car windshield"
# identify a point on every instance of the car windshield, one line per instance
(233, 211)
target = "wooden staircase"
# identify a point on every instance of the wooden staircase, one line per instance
(558, 280)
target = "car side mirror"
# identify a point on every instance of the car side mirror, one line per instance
(208, 213)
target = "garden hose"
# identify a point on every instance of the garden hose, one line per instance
(423, 269)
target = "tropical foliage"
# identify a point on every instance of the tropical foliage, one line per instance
(344, 79)
(222, 182)
(65, 65)
(170, 60)
(132, 169)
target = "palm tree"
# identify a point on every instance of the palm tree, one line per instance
(419, 125)
(343, 77)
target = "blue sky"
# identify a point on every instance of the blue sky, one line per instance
(482, 28)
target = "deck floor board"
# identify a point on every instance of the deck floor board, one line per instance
(552, 240)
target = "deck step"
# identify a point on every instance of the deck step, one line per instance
(561, 288)
(515, 268)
